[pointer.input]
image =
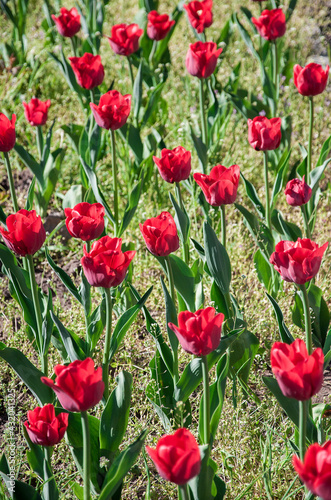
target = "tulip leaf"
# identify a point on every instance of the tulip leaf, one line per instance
(253, 196)
(279, 182)
(201, 150)
(284, 332)
(121, 466)
(162, 45)
(94, 143)
(131, 206)
(30, 196)
(114, 418)
(71, 346)
(20, 490)
(263, 269)
(32, 164)
(181, 219)
(154, 97)
(259, 231)
(217, 259)
(137, 92)
(131, 136)
(242, 354)
(64, 277)
(74, 133)
(171, 317)
(201, 486)
(291, 407)
(326, 148)
(28, 373)
(288, 230)
(96, 325)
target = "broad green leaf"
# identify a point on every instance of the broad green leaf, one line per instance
(64, 277)
(217, 259)
(181, 219)
(284, 332)
(253, 196)
(131, 206)
(242, 354)
(72, 348)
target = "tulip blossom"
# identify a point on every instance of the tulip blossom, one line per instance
(106, 265)
(78, 386)
(271, 24)
(44, 427)
(199, 333)
(7, 133)
(174, 164)
(88, 70)
(315, 470)
(298, 261)
(160, 234)
(201, 59)
(85, 220)
(36, 111)
(176, 456)
(124, 39)
(220, 186)
(68, 22)
(264, 134)
(299, 375)
(26, 233)
(113, 110)
(200, 14)
(297, 192)
(310, 80)
(158, 25)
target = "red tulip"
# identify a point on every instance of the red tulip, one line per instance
(174, 164)
(271, 24)
(176, 457)
(85, 220)
(201, 59)
(298, 261)
(36, 111)
(124, 39)
(113, 110)
(315, 470)
(68, 22)
(106, 265)
(199, 333)
(44, 428)
(88, 70)
(310, 80)
(299, 375)
(158, 25)
(78, 386)
(26, 233)
(199, 14)
(264, 134)
(297, 192)
(220, 186)
(160, 234)
(7, 133)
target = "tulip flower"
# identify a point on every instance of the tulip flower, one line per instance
(200, 14)
(36, 111)
(297, 192)
(201, 59)
(88, 70)
(158, 25)
(7, 133)
(176, 457)
(315, 470)
(68, 22)
(199, 333)
(174, 164)
(78, 386)
(160, 234)
(26, 233)
(220, 186)
(264, 134)
(113, 110)
(124, 39)
(271, 24)
(44, 427)
(85, 221)
(310, 80)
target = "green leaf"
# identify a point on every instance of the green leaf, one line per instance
(181, 219)
(131, 206)
(64, 277)
(72, 348)
(259, 231)
(263, 269)
(201, 485)
(20, 491)
(74, 133)
(284, 332)
(114, 418)
(31, 163)
(131, 136)
(288, 230)
(217, 391)
(242, 354)
(29, 198)
(96, 190)
(253, 196)
(28, 373)
(200, 148)
(326, 148)
(279, 182)
(171, 317)
(137, 92)
(217, 259)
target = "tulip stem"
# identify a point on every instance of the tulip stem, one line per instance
(131, 72)
(86, 454)
(49, 483)
(115, 186)
(186, 252)
(266, 187)
(73, 45)
(171, 279)
(223, 220)
(203, 121)
(152, 54)
(302, 427)
(310, 140)
(40, 142)
(39, 321)
(305, 221)
(183, 492)
(309, 342)
(275, 71)
(105, 361)
(11, 182)
(206, 400)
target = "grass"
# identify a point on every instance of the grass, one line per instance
(246, 427)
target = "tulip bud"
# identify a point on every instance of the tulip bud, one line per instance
(271, 24)
(36, 111)
(199, 14)
(160, 234)
(310, 80)
(220, 186)
(26, 233)
(124, 39)
(201, 59)
(44, 428)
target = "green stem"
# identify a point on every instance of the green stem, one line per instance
(105, 361)
(115, 186)
(40, 142)
(73, 45)
(305, 221)
(131, 72)
(310, 141)
(309, 342)
(36, 304)
(183, 492)
(223, 236)
(302, 427)
(87, 317)
(206, 400)
(266, 187)
(186, 252)
(152, 53)
(49, 485)
(203, 119)
(171, 279)
(11, 182)
(275, 70)
(86, 454)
